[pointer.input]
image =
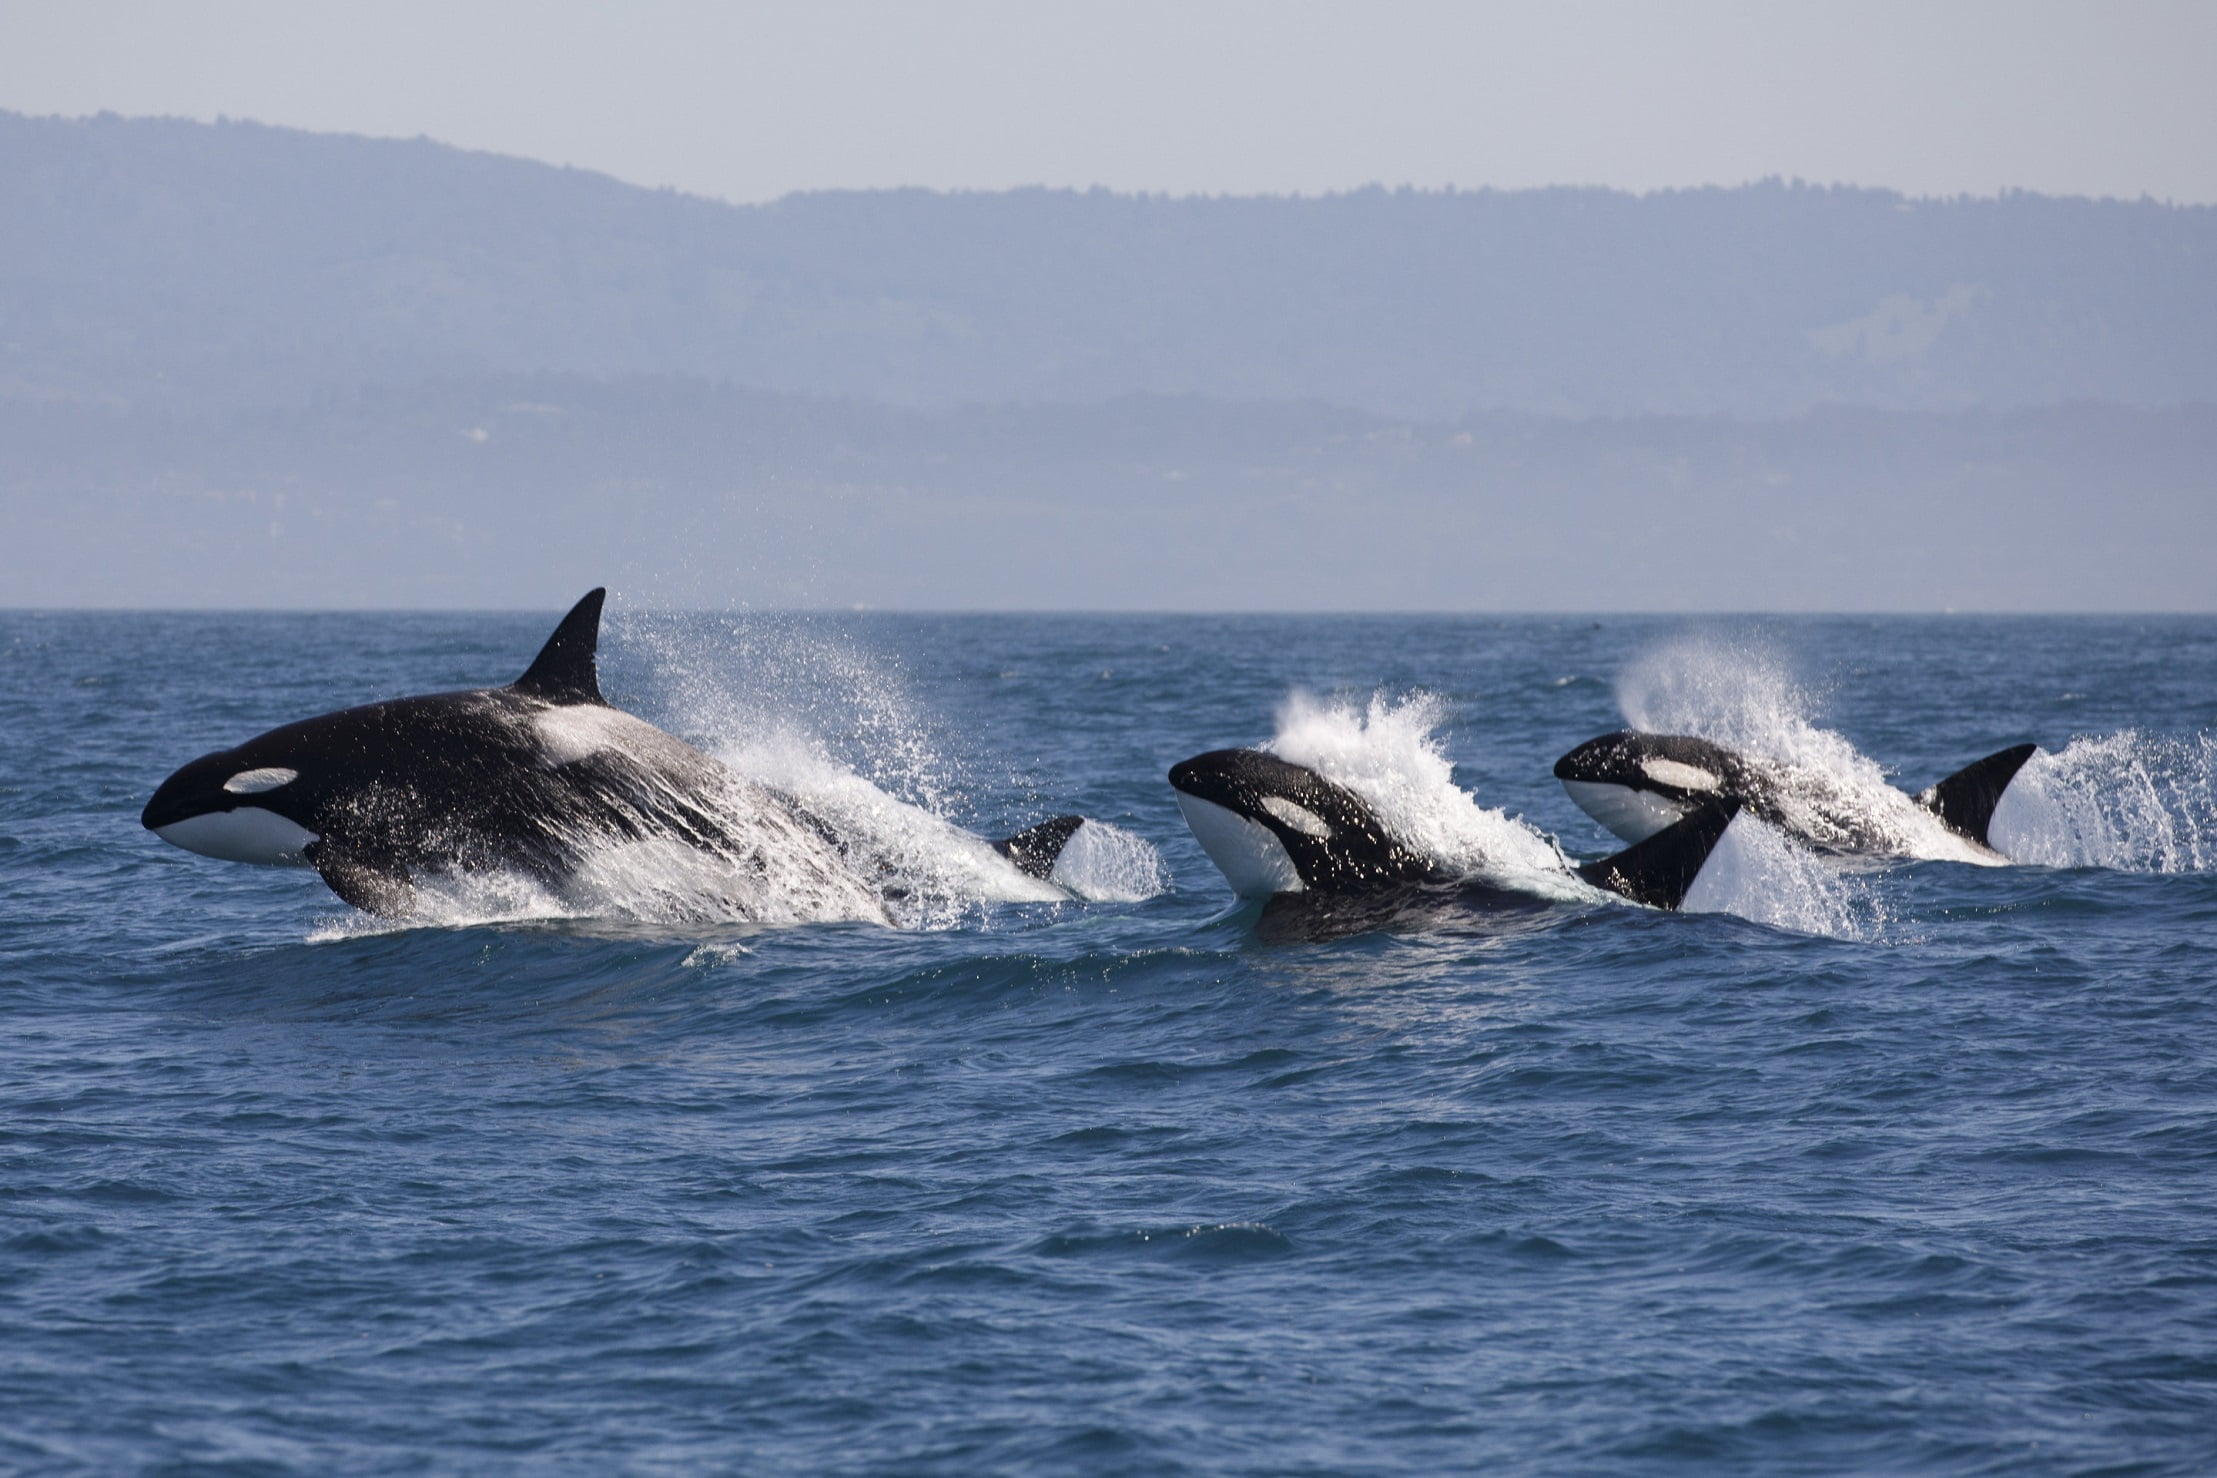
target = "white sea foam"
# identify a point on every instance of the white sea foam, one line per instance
(795, 690)
(824, 722)
(762, 868)
(934, 873)
(2127, 801)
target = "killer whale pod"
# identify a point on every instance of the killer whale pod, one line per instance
(1282, 831)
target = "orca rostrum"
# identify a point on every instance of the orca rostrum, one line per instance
(536, 778)
(1280, 830)
(1637, 784)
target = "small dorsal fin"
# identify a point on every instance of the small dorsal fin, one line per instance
(1966, 799)
(564, 670)
(1660, 871)
(1035, 848)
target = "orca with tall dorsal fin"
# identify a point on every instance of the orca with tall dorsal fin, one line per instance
(1329, 865)
(1637, 784)
(534, 778)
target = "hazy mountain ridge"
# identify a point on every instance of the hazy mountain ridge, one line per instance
(246, 366)
(235, 263)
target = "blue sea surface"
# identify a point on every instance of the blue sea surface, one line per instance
(1916, 1172)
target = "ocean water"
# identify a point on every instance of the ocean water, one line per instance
(1902, 1167)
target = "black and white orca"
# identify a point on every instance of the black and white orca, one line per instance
(1638, 784)
(532, 778)
(1282, 831)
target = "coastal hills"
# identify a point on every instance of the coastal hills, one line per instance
(337, 370)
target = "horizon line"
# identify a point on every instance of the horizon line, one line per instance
(620, 607)
(1381, 187)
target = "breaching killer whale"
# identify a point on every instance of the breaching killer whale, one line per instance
(1637, 784)
(529, 778)
(1282, 831)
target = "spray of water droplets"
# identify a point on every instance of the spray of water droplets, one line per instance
(2133, 802)
(1741, 695)
(1386, 752)
(816, 716)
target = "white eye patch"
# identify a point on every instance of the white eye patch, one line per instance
(254, 782)
(1300, 818)
(1685, 777)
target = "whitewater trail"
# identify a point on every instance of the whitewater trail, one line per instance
(838, 728)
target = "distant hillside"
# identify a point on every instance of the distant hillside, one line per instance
(248, 366)
(234, 264)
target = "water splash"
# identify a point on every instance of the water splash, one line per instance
(740, 857)
(2128, 801)
(788, 685)
(820, 718)
(1741, 694)
(454, 901)
(1759, 873)
(1107, 864)
(934, 873)
(1387, 752)
(1737, 692)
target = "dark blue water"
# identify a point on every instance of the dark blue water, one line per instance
(1926, 1183)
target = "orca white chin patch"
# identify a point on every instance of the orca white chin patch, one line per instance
(1634, 815)
(246, 834)
(1251, 858)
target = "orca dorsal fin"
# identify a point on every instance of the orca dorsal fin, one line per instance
(565, 670)
(1035, 848)
(1966, 799)
(1660, 871)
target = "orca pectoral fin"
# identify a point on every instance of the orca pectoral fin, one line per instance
(1035, 848)
(378, 890)
(1966, 799)
(566, 670)
(1659, 871)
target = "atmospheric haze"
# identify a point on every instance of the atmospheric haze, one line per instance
(1611, 353)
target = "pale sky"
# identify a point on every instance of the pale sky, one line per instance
(748, 102)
